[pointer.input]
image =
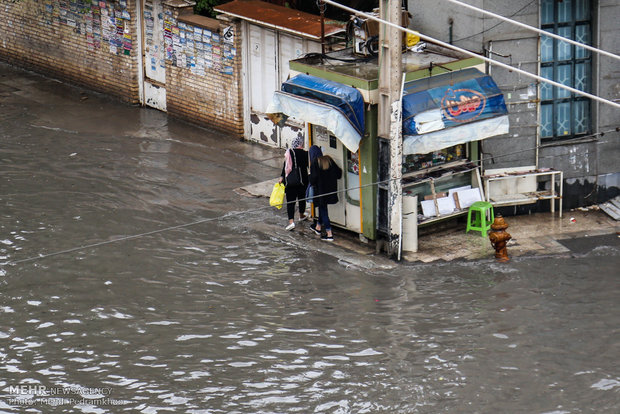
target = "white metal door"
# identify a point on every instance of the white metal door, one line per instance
(267, 67)
(292, 47)
(263, 67)
(289, 48)
(154, 55)
(261, 76)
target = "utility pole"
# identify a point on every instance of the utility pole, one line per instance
(389, 119)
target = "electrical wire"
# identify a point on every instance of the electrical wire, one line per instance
(534, 29)
(175, 227)
(563, 142)
(494, 26)
(327, 57)
(469, 53)
(246, 212)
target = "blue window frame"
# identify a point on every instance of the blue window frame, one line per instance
(564, 114)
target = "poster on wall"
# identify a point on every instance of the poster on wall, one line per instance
(94, 21)
(228, 35)
(198, 49)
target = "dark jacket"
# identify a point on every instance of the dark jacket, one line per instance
(301, 159)
(325, 182)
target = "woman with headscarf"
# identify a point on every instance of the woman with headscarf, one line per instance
(324, 176)
(295, 159)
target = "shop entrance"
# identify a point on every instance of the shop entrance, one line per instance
(347, 212)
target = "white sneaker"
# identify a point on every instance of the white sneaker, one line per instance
(290, 226)
(305, 217)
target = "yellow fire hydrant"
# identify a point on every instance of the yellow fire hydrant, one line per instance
(499, 238)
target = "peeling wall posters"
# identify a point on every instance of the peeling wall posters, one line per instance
(198, 49)
(228, 51)
(100, 22)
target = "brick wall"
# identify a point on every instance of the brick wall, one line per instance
(92, 44)
(206, 91)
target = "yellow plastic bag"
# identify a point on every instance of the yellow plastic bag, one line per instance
(277, 195)
(412, 39)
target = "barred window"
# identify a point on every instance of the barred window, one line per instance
(565, 114)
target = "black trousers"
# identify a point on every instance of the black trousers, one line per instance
(294, 193)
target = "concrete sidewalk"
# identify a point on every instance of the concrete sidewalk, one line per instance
(532, 235)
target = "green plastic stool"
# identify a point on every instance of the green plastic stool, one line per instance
(482, 210)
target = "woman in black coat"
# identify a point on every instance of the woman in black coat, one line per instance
(296, 159)
(324, 176)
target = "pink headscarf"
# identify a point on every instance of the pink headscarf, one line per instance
(298, 142)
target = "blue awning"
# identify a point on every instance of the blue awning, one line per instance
(450, 109)
(333, 105)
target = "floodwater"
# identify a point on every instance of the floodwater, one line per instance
(212, 316)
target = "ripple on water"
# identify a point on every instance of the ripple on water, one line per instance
(330, 346)
(365, 352)
(165, 323)
(606, 384)
(190, 337)
(242, 364)
(336, 358)
(298, 351)
(113, 314)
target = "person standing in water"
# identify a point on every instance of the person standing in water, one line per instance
(296, 157)
(324, 176)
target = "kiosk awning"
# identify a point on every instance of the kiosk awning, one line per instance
(335, 106)
(450, 109)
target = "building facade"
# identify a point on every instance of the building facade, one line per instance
(549, 127)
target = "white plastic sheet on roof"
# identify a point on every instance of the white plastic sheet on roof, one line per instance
(444, 138)
(317, 113)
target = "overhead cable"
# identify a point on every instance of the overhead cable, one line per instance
(542, 32)
(467, 52)
(495, 25)
(41, 256)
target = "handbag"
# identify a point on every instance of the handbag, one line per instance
(294, 177)
(277, 196)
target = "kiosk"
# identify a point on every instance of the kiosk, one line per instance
(448, 106)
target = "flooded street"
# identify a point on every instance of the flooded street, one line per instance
(201, 313)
